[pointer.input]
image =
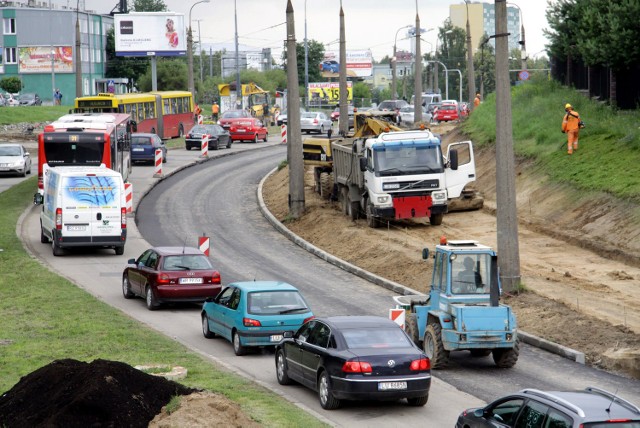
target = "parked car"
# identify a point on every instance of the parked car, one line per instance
(218, 137)
(591, 407)
(407, 114)
(354, 358)
(170, 274)
(29, 99)
(243, 127)
(144, 146)
(392, 105)
(11, 100)
(330, 66)
(254, 314)
(282, 117)
(315, 122)
(335, 114)
(14, 158)
(446, 113)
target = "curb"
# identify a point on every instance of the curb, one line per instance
(527, 338)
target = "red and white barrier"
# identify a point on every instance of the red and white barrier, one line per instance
(397, 316)
(283, 132)
(158, 170)
(128, 197)
(204, 148)
(203, 244)
(200, 118)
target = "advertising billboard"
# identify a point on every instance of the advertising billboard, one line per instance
(150, 34)
(323, 93)
(359, 64)
(37, 59)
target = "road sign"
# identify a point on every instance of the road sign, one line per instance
(397, 316)
(523, 75)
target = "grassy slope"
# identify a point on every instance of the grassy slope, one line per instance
(45, 317)
(609, 156)
(32, 114)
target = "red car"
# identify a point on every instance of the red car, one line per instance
(446, 113)
(170, 274)
(243, 127)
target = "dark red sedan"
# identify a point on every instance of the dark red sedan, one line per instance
(243, 127)
(170, 274)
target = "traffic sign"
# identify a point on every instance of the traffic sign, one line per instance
(523, 75)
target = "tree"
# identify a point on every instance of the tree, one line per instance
(149, 6)
(13, 85)
(172, 76)
(118, 66)
(563, 20)
(484, 62)
(361, 94)
(315, 57)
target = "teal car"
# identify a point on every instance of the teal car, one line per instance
(254, 314)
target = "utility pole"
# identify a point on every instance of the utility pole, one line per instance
(417, 78)
(506, 212)
(78, 57)
(294, 137)
(471, 74)
(343, 124)
(238, 84)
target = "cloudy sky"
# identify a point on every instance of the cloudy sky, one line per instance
(370, 24)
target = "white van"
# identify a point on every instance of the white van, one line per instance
(83, 207)
(427, 98)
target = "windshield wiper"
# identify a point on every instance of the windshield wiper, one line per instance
(389, 170)
(286, 311)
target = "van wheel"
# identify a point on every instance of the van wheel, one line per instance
(43, 237)
(119, 251)
(57, 251)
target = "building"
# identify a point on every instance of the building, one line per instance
(38, 44)
(482, 20)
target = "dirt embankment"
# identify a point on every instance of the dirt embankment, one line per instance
(579, 258)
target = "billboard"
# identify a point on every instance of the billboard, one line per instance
(37, 59)
(359, 64)
(150, 34)
(322, 93)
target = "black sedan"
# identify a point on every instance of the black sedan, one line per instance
(354, 358)
(218, 137)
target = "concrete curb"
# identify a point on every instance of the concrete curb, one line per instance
(527, 338)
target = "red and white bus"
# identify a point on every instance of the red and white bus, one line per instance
(87, 140)
(168, 114)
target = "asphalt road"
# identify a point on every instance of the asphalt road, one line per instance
(218, 198)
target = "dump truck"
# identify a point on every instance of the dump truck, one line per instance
(462, 311)
(253, 97)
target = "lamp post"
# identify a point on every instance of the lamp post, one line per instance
(190, 48)
(200, 48)
(238, 85)
(435, 69)
(417, 79)
(78, 57)
(394, 60)
(53, 75)
(522, 41)
(471, 79)
(306, 59)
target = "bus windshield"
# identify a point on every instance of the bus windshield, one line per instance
(64, 153)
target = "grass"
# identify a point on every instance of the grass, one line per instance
(9, 115)
(608, 159)
(45, 318)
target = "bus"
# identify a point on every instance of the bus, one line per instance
(168, 114)
(87, 139)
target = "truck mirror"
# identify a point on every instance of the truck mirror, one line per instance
(425, 253)
(453, 159)
(363, 164)
(37, 199)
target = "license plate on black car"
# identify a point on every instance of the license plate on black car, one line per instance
(391, 386)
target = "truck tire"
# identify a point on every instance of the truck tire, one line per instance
(507, 358)
(344, 199)
(434, 348)
(436, 219)
(372, 221)
(326, 185)
(412, 328)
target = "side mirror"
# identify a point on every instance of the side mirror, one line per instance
(27, 154)
(425, 253)
(131, 261)
(38, 199)
(453, 159)
(363, 164)
(287, 334)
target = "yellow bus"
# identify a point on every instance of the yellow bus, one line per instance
(168, 114)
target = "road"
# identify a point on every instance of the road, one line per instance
(218, 198)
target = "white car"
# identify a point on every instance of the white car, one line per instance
(407, 115)
(14, 158)
(315, 122)
(10, 100)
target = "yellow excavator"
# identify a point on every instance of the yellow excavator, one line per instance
(253, 97)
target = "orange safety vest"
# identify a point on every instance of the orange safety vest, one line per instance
(215, 109)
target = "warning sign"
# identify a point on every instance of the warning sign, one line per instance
(397, 316)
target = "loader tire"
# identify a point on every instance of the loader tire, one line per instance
(326, 185)
(434, 348)
(412, 328)
(507, 358)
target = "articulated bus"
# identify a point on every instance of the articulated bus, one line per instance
(168, 114)
(87, 140)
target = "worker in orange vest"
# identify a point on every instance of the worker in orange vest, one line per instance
(476, 101)
(215, 109)
(571, 126)
(196, 112)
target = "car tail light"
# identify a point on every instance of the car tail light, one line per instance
(308, 319)
(420, 365)
(59, 218)
(164, 279)
(356, 367)
(215, 278)
(315, 121)
(248, 322)
(123, 217)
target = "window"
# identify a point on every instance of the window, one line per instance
(532, 416)
(320, 335)
(10, 56)
(505, 412)
(9, 25)
(556, 419)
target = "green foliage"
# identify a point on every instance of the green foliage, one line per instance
(172, 76)
(119, 66)
(12, 85)
(314, 57)
(149, 6)
(361, 91)
(484, 64)
(31, 114)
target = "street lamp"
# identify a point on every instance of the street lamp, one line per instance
(306, 58)
(521, 42)
(238, 85)
(78, 57)
(200, 48)
(190, 48)
(470, 71)
(53, 75)
(435, 67)
(394, 81)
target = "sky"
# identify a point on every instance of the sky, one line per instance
(369, 24)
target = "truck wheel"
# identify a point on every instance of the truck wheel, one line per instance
(119, 251)
(354, 210)
(372, 221)
(412, 328)
(326, 184)
(436, 219)
(434, 348)
(344, 198)
(507, 358)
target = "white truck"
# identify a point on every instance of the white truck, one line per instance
(83, 207)
(400, 175)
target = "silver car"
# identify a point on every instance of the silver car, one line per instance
(14, 158)
(315, 122)
(407, 115)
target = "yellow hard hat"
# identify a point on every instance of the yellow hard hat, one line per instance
(566, 106)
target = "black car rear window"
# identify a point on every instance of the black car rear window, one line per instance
(375, 338)
(141, 141)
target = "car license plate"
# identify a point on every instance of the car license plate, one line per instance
(241, 130)
(76, 228)
(388, 386)
(138, 149)
(190, 280)
(276, 337)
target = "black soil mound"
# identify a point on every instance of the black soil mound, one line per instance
(70, 393)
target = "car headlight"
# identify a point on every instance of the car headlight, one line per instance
(383, 199)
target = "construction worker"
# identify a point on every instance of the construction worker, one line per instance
(571, 126)
(196, 112)
(215, 109)
(476, 101)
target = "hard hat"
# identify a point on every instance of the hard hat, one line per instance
(566, 106)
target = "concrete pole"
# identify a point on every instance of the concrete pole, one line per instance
(238, 84)
(78, 56)
(394, 79)
(343, 123)
(524, 45)
(200, 49)
(294, 136)
(506, 212)
(471, 74)
(306, 59)
(417, 78)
